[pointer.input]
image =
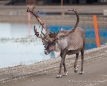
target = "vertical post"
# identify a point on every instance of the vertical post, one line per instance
(61, 6)
(61, 2)
(28, 22)
(96, 31)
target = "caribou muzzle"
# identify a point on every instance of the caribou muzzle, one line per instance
(46, 52)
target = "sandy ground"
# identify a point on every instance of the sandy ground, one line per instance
(44, 73)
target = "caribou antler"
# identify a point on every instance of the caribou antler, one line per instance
(46, 36)
(77, 19)
(37, 17)
(72, 30)
(37, 33)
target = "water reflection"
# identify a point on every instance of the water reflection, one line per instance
(18, 47)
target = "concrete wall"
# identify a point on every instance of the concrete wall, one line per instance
(19, 14)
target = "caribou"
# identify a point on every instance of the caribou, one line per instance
(67, 42)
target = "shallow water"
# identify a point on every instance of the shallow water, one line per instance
(19, 46)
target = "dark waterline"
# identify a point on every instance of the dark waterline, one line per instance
(66, 13)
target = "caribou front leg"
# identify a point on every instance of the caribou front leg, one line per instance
(63, 55)
(65, 70)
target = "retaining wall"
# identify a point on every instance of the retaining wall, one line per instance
(19, 14)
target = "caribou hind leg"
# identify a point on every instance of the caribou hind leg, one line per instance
(82, 61)
(75, 64)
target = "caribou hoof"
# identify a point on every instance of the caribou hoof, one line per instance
(59, 76)
(82, 72)
(76, 70)
(65, 74)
